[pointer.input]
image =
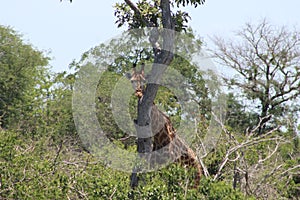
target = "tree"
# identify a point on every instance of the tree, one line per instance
(153, 13)
(266, 60)
(23, 71)
(263, 160)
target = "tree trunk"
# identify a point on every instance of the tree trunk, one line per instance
(161, 60)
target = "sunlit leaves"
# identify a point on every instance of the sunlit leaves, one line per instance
(151, 12)
(195, 3)
(22, 72)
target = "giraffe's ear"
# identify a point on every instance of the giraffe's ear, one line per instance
(129, 75)
(142, 69)
(134, 68)
(142, 72)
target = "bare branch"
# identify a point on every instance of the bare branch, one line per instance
(290, 169)
(260, 161)
(261, 122)
(266, 61)
(275, 169)
(244, 144)
(204, 168)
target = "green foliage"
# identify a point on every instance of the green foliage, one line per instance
(32, 172)
(238, 117)
(58, 109)
(49, 161)
(105, 116)
(195, 3)
(32, 100)
(150, 11)
(35, 169)
(220, 190)
(22, 72)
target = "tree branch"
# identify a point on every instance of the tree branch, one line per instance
(290, 169)
(138, 13)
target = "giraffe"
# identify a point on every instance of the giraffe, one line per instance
(164, 133)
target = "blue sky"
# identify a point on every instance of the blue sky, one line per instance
(67, 30)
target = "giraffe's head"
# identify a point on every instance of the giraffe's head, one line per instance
(138, 80)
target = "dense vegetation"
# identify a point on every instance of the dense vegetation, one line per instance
(257, 155)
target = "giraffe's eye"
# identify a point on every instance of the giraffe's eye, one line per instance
(134, 84)
(142, 83)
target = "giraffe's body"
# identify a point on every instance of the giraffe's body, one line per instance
(165, 134)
